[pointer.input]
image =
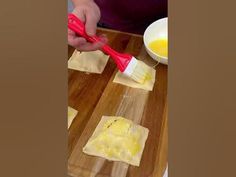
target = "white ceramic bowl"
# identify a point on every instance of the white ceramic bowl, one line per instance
(158, 29)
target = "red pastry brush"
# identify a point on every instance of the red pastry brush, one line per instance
(126, 63)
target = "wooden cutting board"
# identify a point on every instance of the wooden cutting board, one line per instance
(96, 95)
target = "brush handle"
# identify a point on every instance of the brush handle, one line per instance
(76, 25)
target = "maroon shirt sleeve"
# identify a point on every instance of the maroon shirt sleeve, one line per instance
(131, 15)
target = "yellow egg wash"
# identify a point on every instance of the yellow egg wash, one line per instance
(160, 47)
(147, 73)
(148, 77)
(118, 139)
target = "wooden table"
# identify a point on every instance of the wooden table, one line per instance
(94, 95)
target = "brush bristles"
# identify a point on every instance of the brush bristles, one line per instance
(141, 72)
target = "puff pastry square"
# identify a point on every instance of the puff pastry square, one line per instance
(91, 62)
(127, 81)
(117, 139)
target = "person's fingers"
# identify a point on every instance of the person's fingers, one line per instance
(75, 41)
(80, 14)
(91, 23)
(90, 46)
(90, 20)
(103, 38)
(81, 43)
(70, 32)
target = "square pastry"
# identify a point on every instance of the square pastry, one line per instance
(127, 81)
(117, 139)
(92, 62)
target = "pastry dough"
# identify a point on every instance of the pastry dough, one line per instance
(117, 139)
(71, 115)
(92, 62)
(125, 80)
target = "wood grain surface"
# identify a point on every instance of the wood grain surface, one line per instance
(95, 95)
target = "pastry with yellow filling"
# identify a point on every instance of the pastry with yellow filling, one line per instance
(117, 139)
(127, 81)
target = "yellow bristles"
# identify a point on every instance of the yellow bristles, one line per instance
(141, 72)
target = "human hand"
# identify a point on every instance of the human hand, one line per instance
(89, 13)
